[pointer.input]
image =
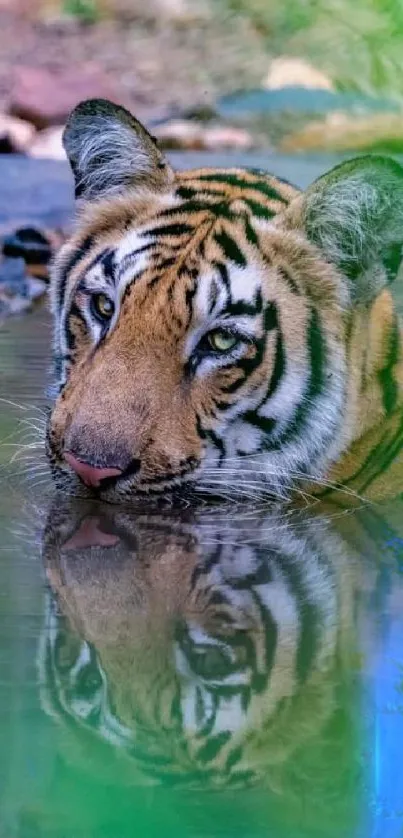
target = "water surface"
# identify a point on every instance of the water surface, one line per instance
(221, 672)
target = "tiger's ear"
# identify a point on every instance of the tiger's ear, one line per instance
(110, 151)
(355, 215)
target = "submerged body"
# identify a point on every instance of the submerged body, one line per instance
(221, 332)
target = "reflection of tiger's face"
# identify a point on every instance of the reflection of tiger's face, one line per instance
(208, 647)
(218, 329)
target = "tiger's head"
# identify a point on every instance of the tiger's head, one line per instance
(204, 320)
(208, 649)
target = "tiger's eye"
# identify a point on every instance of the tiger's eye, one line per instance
(222, 341)
(102, 307)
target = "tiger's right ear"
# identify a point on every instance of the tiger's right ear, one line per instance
(354, 214)
(110, 151)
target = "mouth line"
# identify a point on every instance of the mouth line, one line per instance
(155, 488)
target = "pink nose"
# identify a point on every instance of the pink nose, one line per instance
(90, 475)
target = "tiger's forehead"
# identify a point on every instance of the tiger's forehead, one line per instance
(208, 215)
(116, 263)
(210, 267)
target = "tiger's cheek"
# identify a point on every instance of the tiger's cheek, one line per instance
(66, 404)
(222, 394)
(78, 340)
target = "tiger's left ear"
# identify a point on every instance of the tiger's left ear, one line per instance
(355, 215)
(110, 152)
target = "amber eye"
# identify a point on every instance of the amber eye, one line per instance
(221, 341)
(102, 307)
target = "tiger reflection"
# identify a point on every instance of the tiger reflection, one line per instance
(210, 649)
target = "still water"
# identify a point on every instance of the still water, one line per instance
(219, 672)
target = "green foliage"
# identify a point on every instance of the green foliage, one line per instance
(85, 10)
(358, 44)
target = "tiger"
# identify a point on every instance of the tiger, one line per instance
(204, 651)
(185, 637)
(218, 331)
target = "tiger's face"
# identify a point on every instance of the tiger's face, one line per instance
(201, 318)
(207, 649)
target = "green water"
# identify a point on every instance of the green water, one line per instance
(225, 672)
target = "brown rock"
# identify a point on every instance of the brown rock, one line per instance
(222, 136)
(46, 98)
(15, 135)
(346, 132)
(185, 134)
(181, 12)
(48, 144)
(289, 72)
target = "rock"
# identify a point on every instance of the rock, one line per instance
(179, 12)
(12, 275)
(202, 112)
(347, 132)
(289, 72)
(46, 98)
(48, 144)
(185, 134)
(36, 287)
(182, 12)
(33, 247)
(12, 304)
(16, 135)
(17, 290)
(295, 99)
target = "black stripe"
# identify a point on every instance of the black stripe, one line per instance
(213, 746)
(390, 390)
(230, 248)
(130, 258)
(71, 263)
(309, 620)
(109, 264)
(270, 323)
(98, 258)
(165, 264)
(259, 680)
(374, 458)
(222, 208)
(270, 320)
(234, 757)
(261, 186)
(170, 230)
(70, 338)
(186, 192)
(250, 232)
(218, 444)
(218, 207)
(310, 628)
(317, 356)
(391, 260)
(189, 297)
(264, 423)
(247, 366)
(279, 366)
(201, 432)
(258, 210)
(288, 279)
(242, 307)
(262, 575)
(224, 276)
(383, 462)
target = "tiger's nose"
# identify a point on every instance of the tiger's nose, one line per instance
(92, 476)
